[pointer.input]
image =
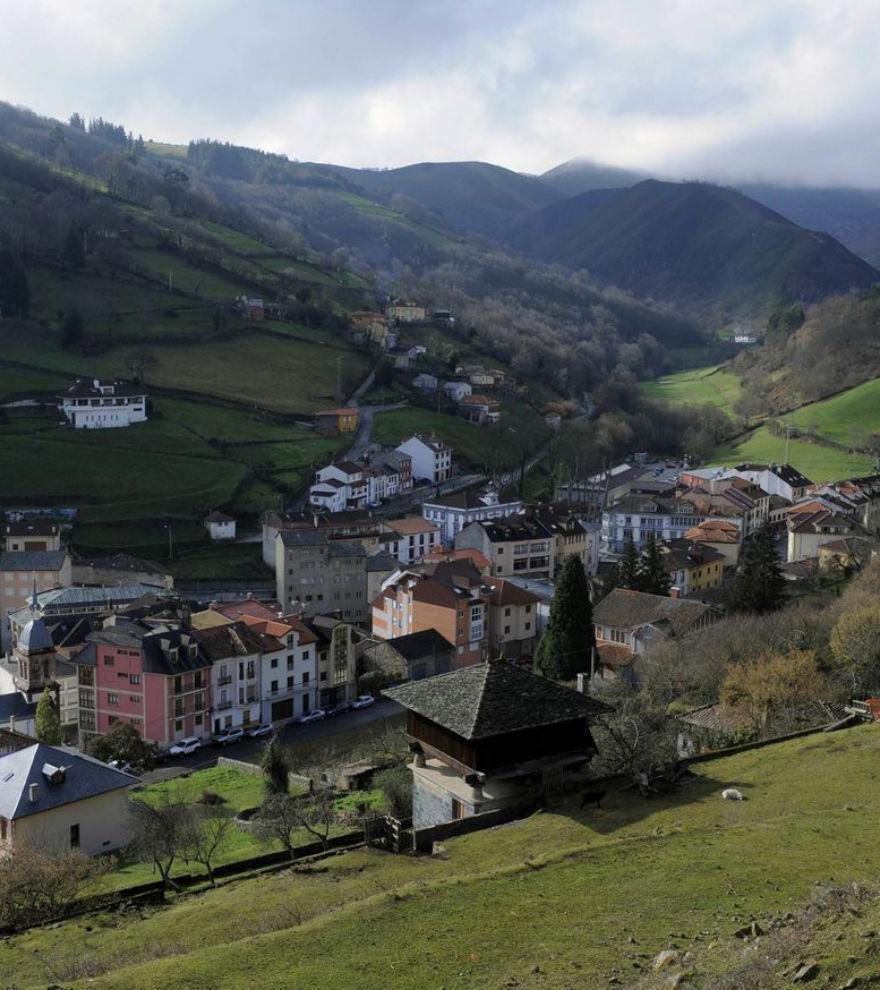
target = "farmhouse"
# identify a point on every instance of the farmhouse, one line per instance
(61, 799)
(333, 421)
(491, 737)
(32, 534)
(96, 404)
(220, 526)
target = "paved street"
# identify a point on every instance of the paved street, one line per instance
(250, 750)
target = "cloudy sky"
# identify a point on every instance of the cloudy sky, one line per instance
(732, 89)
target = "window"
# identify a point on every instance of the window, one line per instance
(112, 699)
(178, 684)
(323, 675)
(457, 810)
(506, 613)
(109, 661)
(290, 682)
(306, 654)
(178, 725)
(273, 687)
(527, 626)
(198, 719)
(134, 698)
(507, 630)
(274, 662)
(74, 836)
(528, 609)
(134, 678)
(306, 677)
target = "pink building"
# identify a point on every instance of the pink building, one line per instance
(151, 676)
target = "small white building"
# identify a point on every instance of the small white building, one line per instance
(58, 799)
(431, 458)
(99, 404)
(457, 390)
(220, 526)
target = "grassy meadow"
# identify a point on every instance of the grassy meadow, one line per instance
(566, 898)
(696, 387)
(850, 418)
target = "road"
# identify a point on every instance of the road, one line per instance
(251, 750)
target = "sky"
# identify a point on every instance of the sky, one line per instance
(776, 90)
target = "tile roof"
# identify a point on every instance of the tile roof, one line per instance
(493, 699)
(82, 778)
(471, 554)
(32, 560)
(237, 639)
(412, 525)
(624, 609)
(247, 606)
(507, 593)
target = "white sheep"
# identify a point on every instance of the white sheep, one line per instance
(732, 794)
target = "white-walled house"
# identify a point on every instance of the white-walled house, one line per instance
(97, 403)
(58, 799)
(431, 458)
(289, 670)
(220, 526)
(451, 513)
(457, 390)
(339, 487)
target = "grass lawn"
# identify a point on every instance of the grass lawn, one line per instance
(467, 440)
(189, 277)
(243, 561)
(697, 387)
(817, 463)
(580, 894)
(849, 418)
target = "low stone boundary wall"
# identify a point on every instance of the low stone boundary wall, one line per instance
(294, 778)
(424, 838)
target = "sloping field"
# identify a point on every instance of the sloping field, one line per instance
(818, 463)
(849, 418)
(696, 387)
(565, 899)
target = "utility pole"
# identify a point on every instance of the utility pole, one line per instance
(170, 545)
(787, 440)
(339, 379)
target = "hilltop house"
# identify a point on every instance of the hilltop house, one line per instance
(96, 403)
(457, 390)
(32, 534)
(60, 799)
(491, 737)
(220, 526)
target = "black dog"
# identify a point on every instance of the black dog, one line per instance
(593, 797)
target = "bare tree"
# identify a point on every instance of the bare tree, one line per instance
(163, 831)
(208, 835)
(283, 816)
(39, 885)
(279, 821)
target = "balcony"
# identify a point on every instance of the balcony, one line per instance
(223, 706)
(225, 680)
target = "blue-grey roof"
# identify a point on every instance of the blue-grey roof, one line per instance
(346, 549)
(59, 600)
(32, 560)
(35, 637)
(302, 537)
(83, 777)
(15, 705)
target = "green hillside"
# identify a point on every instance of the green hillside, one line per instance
(698, 245)
(817, 462)
(696, 387)
(592, 895)
(851, 418)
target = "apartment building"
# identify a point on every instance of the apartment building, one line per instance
(21, 571)
(431, 458)
(409, 539)
(315, 574)
(452, 513)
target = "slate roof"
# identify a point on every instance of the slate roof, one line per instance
(60, 599)
(302, 537)
(219, 517)
(84, 778)
(624, 609)
(32, 560)
(237, 639)
(121, 562)
(345, 548)
(382, 562)
(15, 705)
(32, 527)
(84, 388)
(493, 699)
(417, 645)
(791, 476)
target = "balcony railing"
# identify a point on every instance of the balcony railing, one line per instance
(225, 680)
(223, 706)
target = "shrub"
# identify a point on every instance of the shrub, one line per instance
(210, 797)
(396, 784)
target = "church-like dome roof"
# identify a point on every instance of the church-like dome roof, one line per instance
(35, 637)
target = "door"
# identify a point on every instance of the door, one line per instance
(282, 709)
(74, 836)
(458, 810)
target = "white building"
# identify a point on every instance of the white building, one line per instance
(96, 404)
(339, 487)
(289, 669)
(431, 458)
(57, 798)
(457, 390)
(451, 513)
(411, 538)
(220, 526)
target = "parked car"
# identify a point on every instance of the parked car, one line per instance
(315, 715)
(340, 708)
(260, 730)
(363, 701)
(229, 736)
(186, 747)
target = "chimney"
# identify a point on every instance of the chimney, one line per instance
(12, 723)
(33, 792)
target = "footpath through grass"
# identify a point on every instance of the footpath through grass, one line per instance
(566, 898)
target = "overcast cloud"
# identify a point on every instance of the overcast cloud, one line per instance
(772, 89)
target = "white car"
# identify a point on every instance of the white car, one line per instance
(260, 730)
(229, 736)
(313, 716)
(364, 701)
(185, 747)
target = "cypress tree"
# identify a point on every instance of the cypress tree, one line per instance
(48, 724)
(275, 766)
(566, 647)
(759, 585)
(627, 571)
(652, 574)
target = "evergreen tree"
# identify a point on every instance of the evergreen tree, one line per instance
(75, 120)
(72, 330)
(652, 574)
(48, 724)
(275, 766)
(628, 567)
(566, 648)
(759, 585)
